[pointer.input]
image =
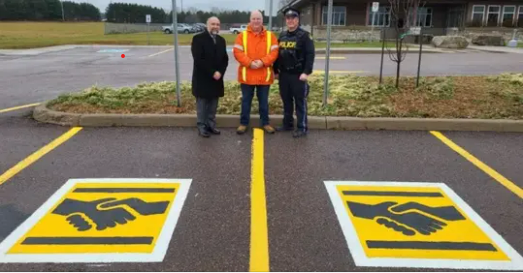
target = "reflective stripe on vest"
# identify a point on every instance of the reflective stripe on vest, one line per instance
(269, 42)
(244, 70)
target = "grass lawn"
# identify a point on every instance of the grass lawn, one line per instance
(499, 97)
(21, 35)
(520, 45)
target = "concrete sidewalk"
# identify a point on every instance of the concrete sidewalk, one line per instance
(497, 49)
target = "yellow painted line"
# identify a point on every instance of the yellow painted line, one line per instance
(332, 58)
(259, 252)
(497, 176)
(339, 71)
(38, 154)
(155, 54)
(18, 107)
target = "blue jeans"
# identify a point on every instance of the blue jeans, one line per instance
(262, 92)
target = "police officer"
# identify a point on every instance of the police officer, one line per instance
(293, 67)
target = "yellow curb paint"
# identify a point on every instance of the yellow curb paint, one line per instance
(38, 154)
(156, 54)
(259, 251)
(484, 167)
(18, 107)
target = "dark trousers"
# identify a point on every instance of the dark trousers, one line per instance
(294, 93)
(262, 92)
(206, 112)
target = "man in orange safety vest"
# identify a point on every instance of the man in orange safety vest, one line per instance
(256, 50)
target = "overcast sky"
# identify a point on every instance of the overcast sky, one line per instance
(199, 4)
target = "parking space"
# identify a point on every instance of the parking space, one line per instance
(304, 230)
(213, 228)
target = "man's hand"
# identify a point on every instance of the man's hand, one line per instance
(304, 77)
(256, 64)
(217, 75)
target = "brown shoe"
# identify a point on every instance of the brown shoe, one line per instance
(241, 129)
(269, 129)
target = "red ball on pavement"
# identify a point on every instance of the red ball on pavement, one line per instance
(123, 55)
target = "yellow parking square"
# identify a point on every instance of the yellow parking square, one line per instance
(100, 220)
(416, 225)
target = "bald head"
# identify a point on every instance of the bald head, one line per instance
(256, 20)
(213, 25)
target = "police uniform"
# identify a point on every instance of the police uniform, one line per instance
(296, 56)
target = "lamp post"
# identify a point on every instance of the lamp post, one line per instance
(175, 32)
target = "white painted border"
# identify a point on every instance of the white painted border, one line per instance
(158, 254)
(358, 253)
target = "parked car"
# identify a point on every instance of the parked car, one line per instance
(182, 28)
(237, 30)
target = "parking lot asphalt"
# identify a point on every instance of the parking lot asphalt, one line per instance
(304, 229)
(41, 76)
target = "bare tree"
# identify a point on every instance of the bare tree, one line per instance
(403, 17)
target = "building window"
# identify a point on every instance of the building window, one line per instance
(493, 15)
(339, 13)
(382, 17)
(424, 17)
(478, 13)
(520, 17)
(508, 16)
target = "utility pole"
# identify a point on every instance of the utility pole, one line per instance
(326, 81)
(63, 15)
(270, 15)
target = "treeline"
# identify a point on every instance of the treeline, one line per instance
(51, 10)
(133, 13)
(47, 10)
(225, 16)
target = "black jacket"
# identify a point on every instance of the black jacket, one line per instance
(208, 58)
(296, 53)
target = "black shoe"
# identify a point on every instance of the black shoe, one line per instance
(213, 131)
(203, 133)
(284, 128)
(299, 133)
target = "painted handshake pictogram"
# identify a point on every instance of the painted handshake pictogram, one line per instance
(106, 213)
(407, 218)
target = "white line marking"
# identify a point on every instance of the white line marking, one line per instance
(360, 259)
(157, 255)
(161, 52)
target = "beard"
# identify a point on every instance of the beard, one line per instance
(214, 32)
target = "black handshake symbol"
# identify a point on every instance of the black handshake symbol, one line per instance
(106, 213)
(407, 218)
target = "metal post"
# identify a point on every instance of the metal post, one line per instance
(147, 33)
(382, 52)
(177, 65)
(329, 26)
(372, 31)
(63, 15)
(420, 50)
(270, 15)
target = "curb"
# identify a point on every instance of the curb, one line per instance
(373, 51)
(42, 114)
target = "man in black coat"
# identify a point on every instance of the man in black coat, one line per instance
(209, 52)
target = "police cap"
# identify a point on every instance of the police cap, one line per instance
(291, 12)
